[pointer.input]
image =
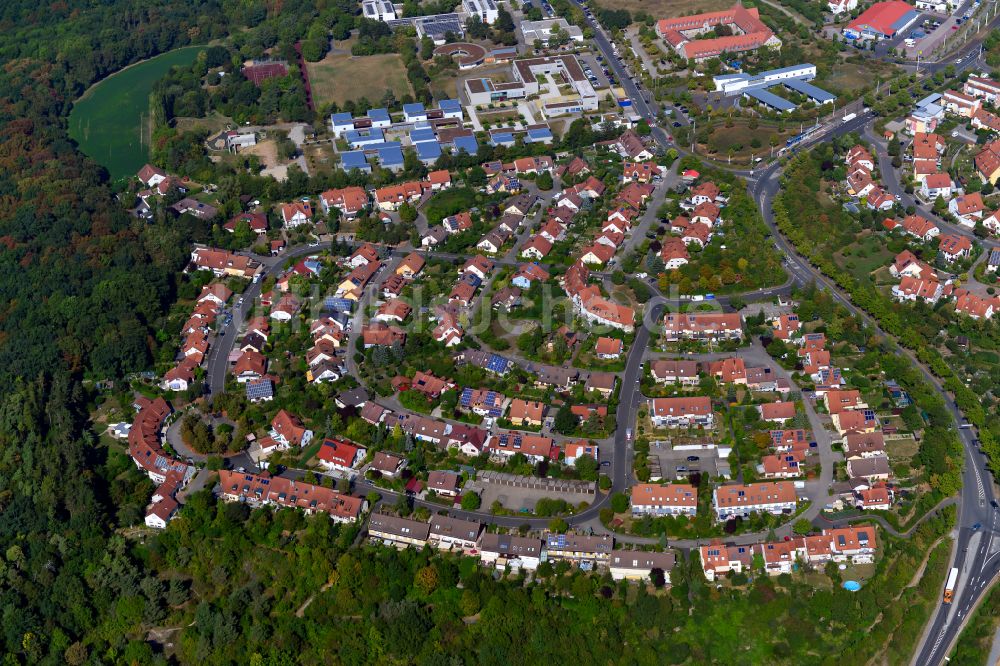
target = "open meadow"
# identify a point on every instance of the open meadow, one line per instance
(110, 121)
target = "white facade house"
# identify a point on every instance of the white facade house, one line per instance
(486, 10)
(378, 10)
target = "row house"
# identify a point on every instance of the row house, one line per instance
(681, 412)
(265, 490)
(639, 565)
(703, 326)
(578, 548)
(447, 533)
(670, 500)
(503, 551)
(719, 559)
(666, 371)
(741, 500)
(983, 88)
(398, 532)
(535, 448)
(960, 104)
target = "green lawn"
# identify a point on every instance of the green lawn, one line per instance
(111, 120)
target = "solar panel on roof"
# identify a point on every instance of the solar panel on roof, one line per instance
(466, 143)
(466, 398)
(419, 135)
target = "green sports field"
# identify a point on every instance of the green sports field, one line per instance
(111, 120)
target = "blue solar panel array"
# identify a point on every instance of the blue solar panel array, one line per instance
(428, 151)
(354, 159)
(390, 156)
(334, 304)
(260, 390)
(415, 109)
(489, 401)
(539, 134)
(450, 106)
(424, 134)
(466, 143)
(497, 364)
(379, 115)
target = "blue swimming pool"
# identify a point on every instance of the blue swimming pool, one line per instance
(851, 585)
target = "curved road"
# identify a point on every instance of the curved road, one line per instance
(975, 556)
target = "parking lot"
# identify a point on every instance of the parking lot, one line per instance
(521, 493)
(674, 465)
(589, 60)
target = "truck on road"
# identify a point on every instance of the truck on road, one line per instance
(849, 117)
(949, 587)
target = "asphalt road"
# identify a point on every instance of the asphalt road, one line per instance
(974, 553)
(975, 556)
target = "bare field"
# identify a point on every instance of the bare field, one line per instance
(340, 78)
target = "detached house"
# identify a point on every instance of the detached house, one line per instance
(953, 247)
(936, 185)
(968, 208)
(296, 214)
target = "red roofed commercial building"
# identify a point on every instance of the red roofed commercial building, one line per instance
(882, 20)
(671, 500)
(749, 33)
(742, 500)
(703, 326)
(265, 490)
(681, 412)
